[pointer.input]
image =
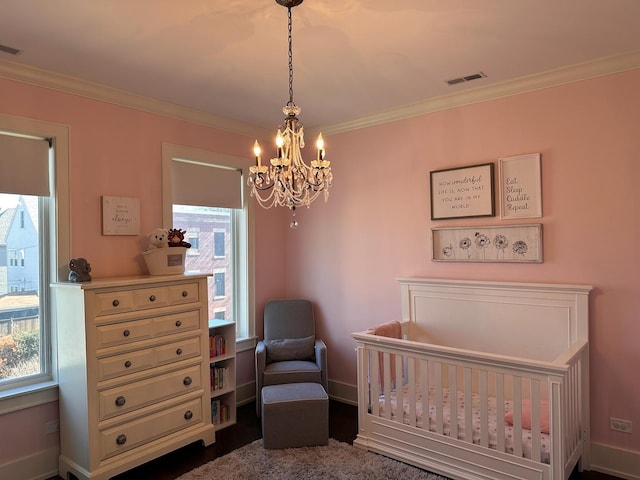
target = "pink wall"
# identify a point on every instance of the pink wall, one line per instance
(347, 254)
(117, 151)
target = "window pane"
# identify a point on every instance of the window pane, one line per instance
(210, 223)
(20, 320)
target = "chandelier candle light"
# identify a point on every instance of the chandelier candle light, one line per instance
(288, 181)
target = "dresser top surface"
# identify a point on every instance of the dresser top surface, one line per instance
(135, 280)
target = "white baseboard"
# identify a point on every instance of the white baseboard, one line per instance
(39, 466)
(343, 392)
(614, 461)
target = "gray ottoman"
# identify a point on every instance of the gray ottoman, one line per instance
(295, 415)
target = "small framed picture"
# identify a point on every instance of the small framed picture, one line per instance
(462, 192)
(120, 216)
(520, 186)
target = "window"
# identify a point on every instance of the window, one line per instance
(34, 204)
(218, 244)
(203, 193)
(218, 280)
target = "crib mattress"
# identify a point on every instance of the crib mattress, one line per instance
(446, 417)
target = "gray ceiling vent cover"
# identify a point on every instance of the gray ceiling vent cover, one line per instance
(466, 78)
(11, 50)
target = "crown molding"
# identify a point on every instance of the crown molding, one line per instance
(574, 73)
(96, 91)
(552, 78)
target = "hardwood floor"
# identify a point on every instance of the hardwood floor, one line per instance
(343, 426)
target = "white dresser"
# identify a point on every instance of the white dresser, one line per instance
(133, 362)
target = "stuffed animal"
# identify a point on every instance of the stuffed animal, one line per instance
(80, 269)
(158, 238)
(176, 238)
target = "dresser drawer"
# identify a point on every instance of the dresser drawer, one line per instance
(173, 352)
(179, 322)
(114, 302)
(121, 333)
(125, 398)
(125, 363)
(150, 357)
(108, 303)
(150, 297)
(119, 439)
(184, 293)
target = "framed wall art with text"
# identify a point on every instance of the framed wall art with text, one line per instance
(462, 192)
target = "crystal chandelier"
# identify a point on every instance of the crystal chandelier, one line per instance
(288, 181)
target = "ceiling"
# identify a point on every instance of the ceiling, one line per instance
(352, 59)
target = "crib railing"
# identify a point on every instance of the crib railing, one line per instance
(419, 376)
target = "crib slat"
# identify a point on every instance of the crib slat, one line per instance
(453, 401)
(374, 383)
(535, 421)
(411, 381)
(500, 413)
(386, 386)
(484, 408)
(517, 416)
(424, 386)
(438, 397)
(468, 403)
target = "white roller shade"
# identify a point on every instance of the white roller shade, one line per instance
(206, 185)
(24, 165)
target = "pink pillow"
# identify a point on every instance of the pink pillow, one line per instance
(526, 416)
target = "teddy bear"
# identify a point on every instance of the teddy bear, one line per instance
(158, 238)
(80, 269)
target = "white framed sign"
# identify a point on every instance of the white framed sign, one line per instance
(520, 186)
(120, 216)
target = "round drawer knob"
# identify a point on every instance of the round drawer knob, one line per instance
(178, 323)
(127, 364)
(187, 381)
(120, 401)
(179, 351)
(126, 333)
(185, 293)
(152, 298)
(115, 303)
(188, 415)
(121, 439)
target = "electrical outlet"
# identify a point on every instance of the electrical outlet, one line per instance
(620, 425)
(52, 426)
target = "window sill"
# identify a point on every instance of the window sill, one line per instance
(244, 344)
(27, 397)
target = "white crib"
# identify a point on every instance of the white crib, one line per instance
(501, 348)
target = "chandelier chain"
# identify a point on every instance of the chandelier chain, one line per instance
(290, 58)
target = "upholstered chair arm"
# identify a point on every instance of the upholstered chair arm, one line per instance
(261, 364)
(321, 361)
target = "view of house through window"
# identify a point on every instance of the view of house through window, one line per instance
(210, 232)
(20, 279)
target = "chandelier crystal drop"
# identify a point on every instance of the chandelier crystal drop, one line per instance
(287, 181)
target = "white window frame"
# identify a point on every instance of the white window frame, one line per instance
(45, 391)
(244, 278)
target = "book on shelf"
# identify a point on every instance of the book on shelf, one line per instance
(219, 377)
(220, 412)
(217, 346)
(215, 412)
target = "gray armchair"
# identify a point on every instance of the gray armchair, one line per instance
(290, 351)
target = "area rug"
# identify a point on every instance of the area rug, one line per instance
(336, 461)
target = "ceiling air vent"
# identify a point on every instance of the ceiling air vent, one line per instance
(466, 78)
(11, 50)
